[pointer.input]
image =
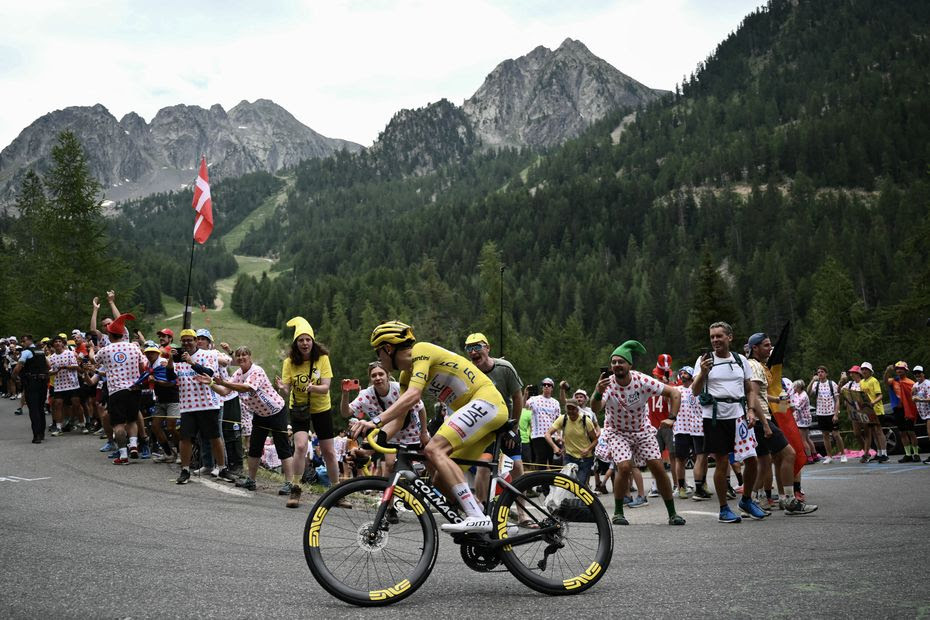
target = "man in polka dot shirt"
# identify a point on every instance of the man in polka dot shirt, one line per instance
(627, 434)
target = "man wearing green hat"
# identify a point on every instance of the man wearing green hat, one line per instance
(627, 434)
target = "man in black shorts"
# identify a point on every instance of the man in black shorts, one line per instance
(725, 392)
(773, 446)
(124, 363)
(200, 406)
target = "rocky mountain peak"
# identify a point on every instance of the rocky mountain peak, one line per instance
(546, 96)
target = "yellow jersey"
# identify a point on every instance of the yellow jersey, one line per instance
(449, 378)
(300, 377)
(872, 390)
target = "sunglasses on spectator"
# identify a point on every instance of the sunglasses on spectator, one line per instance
(548, 385)
(474, 347)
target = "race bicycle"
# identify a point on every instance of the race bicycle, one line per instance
(373, 541)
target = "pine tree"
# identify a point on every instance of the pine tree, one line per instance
(710, 302)
(73, 234)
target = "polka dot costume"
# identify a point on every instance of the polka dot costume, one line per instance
(122, 361)
(263, 401)
(690, 415)
(366, 405)
(65, 380)
(618, 446)
(625, 405)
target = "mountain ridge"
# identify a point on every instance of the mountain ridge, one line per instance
(537, 100)
(132, 158)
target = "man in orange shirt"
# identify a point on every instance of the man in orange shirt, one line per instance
(897, 379)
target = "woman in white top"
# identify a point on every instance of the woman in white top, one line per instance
(801, 403)
(376, 398)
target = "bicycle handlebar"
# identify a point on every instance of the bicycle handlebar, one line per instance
(372, 441)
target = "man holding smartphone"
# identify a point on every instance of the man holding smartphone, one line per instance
(627, 434)
(723, 383)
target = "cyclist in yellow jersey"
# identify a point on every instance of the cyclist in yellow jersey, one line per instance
(478, 410)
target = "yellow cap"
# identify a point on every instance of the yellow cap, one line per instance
(152, 350)
(188, 332)
(46, 339)
(301, 326)
(476, 338)
(70, 343)
(63, 336)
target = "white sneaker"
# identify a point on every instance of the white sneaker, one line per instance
(470, 524)
(843, 459)
(826, 460)
(202, 471)
(215, 472)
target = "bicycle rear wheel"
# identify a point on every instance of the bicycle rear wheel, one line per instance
(365, 567)
(567, 560)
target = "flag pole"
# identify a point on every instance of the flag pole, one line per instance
(203, 226)
(188, 309)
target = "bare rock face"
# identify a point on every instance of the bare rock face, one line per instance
(537, 100)
(547, 97)
(133, 158)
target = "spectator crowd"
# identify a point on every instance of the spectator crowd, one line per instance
(207, 408)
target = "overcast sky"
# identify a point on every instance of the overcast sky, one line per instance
(342, 68)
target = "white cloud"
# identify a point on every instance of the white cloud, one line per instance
(342, 68)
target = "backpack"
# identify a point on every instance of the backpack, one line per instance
(584, 421)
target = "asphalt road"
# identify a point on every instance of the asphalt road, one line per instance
(81, 538)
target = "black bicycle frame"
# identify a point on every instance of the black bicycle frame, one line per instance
(403, 469)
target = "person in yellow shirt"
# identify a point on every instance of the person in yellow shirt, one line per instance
(579, 438)
(872, 390)
(304, 383)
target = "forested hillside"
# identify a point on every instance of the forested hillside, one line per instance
(153, 235)
(793, 163)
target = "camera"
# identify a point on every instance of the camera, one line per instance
(532, 390)
(176, 354)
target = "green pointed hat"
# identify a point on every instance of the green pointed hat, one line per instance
(301, 326)
(627, 349)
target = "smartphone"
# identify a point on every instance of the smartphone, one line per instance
(350, 384)
(605, 371)
(532, 390)
(705, 354)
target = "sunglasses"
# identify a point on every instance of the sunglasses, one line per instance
(473, 347)
(548, 385)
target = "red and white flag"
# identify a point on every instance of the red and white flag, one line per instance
(203, 225)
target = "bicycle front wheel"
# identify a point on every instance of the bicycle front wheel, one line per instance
(364, 564)
(576, 550)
